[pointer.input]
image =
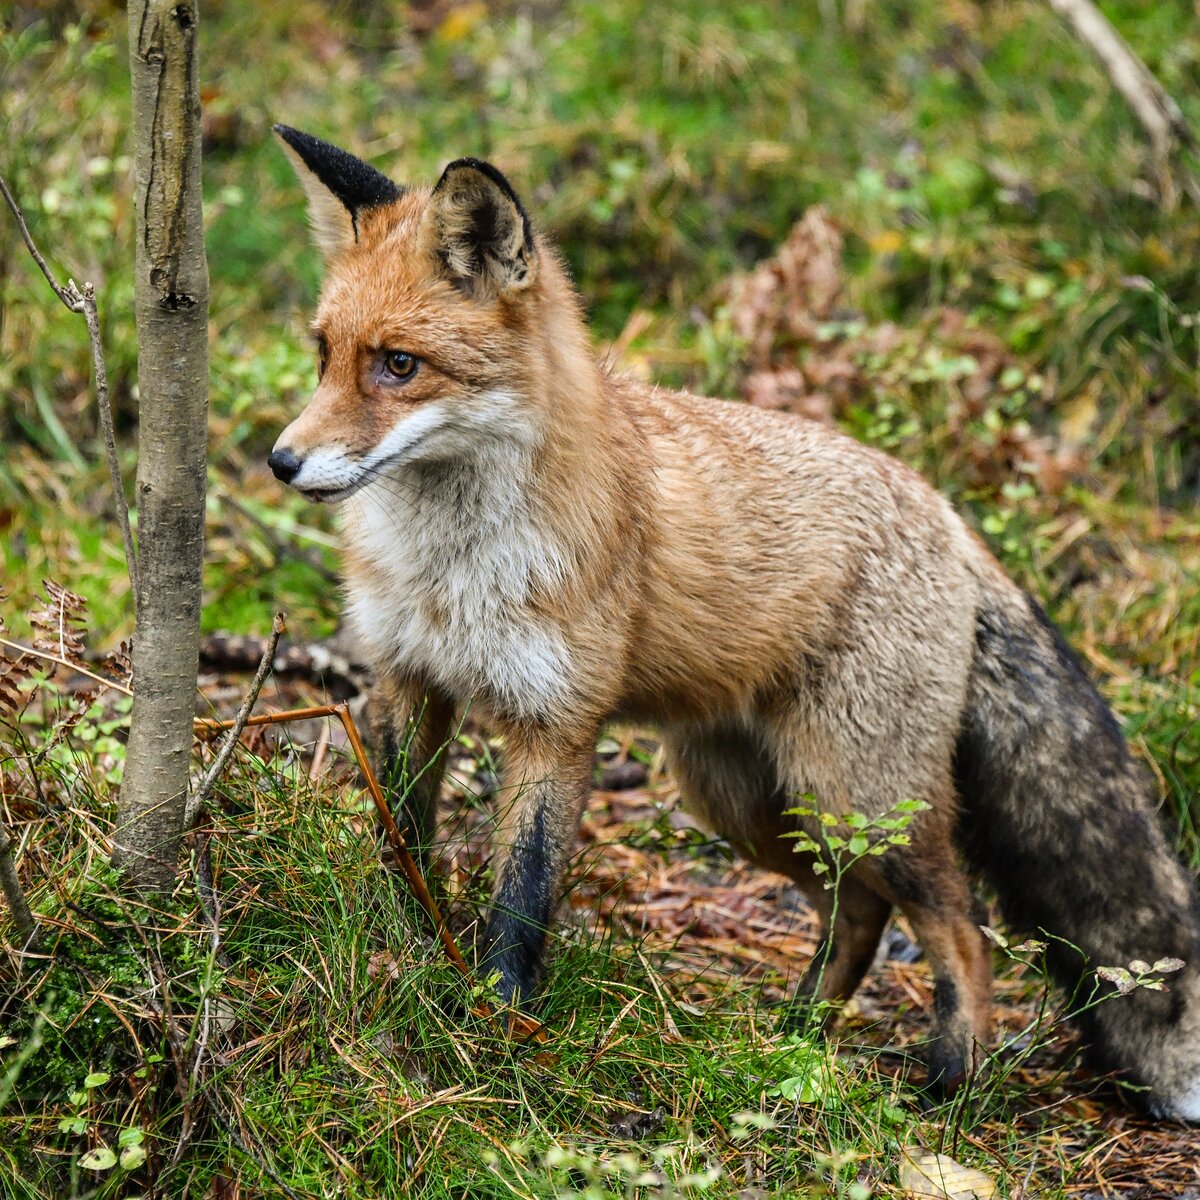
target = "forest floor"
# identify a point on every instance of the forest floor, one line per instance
(302, 1034)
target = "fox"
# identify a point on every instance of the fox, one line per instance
(556, 545)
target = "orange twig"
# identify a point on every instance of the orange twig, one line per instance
(519, 1023)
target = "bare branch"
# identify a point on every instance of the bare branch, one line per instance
(69, 295)
(196, 804)
(85, 303)
(1158, 113)
(92, 317)
(66, 662)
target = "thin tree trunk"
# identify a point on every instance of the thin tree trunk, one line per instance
(171, 302)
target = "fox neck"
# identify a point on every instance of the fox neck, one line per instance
(449, 562)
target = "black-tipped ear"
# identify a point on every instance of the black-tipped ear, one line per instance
(339, 186)
(480, 231)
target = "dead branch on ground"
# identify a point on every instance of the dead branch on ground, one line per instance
(1157, 112)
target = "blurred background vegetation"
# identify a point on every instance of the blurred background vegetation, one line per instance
(983, 281)
(1014, 311)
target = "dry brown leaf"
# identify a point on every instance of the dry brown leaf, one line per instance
(383, 967)
(790, 294)
(925, 1176)
(806, 355)
(60, 623)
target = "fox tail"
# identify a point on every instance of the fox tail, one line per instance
(1056, 816)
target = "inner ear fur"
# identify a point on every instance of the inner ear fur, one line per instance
(480, 232)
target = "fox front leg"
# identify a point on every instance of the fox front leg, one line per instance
(545, 788)
(412, 730)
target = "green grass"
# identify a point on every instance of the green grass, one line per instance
(321, 1045)
(976, 162)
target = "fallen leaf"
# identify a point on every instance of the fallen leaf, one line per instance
(939, 1177)
(887, 241)
(459, 22)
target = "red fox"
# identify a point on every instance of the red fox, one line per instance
(558, 545)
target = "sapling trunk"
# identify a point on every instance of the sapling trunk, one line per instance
(171, 301)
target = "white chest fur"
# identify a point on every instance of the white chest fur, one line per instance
(454, 556)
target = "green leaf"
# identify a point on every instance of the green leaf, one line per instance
(1119, 977)
(132, 1156)
(133, 1136)
(799, 1087)
(96, 1078)
(100, 1159)
(75, 1125)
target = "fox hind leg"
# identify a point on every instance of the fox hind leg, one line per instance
(853, 918)
(730, 782)
(729, 779)
(922, 878)
(935, 897)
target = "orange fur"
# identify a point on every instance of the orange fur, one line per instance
(557, 545)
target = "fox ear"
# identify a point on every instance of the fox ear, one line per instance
(338, 185)
(480, 231)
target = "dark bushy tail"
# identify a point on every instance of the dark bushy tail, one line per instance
(1056, 817)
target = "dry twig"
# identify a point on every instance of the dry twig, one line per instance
(84, 302)
(45, 655)
(1158, 113)
(196, 804)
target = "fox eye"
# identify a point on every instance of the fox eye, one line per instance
(399, 365)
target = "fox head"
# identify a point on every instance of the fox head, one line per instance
(435, 324)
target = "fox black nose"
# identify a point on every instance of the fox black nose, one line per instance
(285, 464)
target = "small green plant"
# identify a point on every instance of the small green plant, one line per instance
(1013, 529)
(1141, 974)
(130, 1140)
(836, 843)
(846, 839)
